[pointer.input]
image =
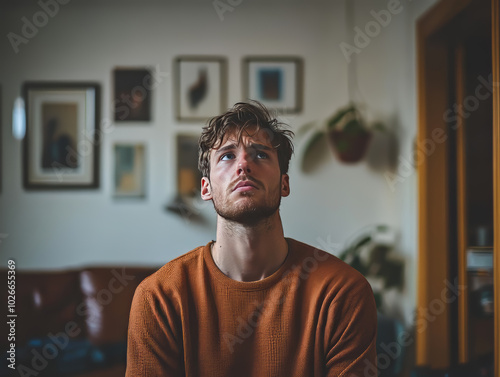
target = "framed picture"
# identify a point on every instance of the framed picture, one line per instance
(1, 141)
(130, 171)
(132, 94)
(61, 146)
(276, 82)
(200, 89)
(188, 175)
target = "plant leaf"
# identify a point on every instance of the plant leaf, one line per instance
(345, 253)
(382, 228)
(362, 242)
(393, 273)
(306, 127)
(312, 143)
(378, 299)
(337, 117)
(358, 265)
(379, 126)
(353, 126)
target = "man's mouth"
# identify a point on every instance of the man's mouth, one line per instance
(245, 186)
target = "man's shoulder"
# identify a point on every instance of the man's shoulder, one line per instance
(321, 266)
(173, 274)
(314, 256)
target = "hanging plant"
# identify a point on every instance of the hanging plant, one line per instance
(347, 133)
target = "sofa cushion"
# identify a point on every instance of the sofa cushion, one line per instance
(82, 315)
(45, 304)
(108, 296)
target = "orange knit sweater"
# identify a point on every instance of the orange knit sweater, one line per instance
(315, 316)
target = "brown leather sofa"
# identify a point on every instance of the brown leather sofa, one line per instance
(69, 323)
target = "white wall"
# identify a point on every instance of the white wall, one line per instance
(387, 76)
(87, 39)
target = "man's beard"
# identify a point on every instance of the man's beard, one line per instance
(249, 213)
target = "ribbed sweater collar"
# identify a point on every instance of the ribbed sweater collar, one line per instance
(251, 285)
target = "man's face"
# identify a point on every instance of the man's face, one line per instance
(245, 183)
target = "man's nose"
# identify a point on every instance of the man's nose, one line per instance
(244, 161)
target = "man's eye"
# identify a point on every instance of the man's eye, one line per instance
(262, 155)
(227, 156)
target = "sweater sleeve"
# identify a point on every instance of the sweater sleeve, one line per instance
(153, 347)
(351, 333)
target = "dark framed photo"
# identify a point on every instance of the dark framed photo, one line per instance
(200, 90)
(276, 82)
(61, 146)
(132, 94)
(130, 170)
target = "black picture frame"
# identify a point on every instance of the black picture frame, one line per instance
(132, 94)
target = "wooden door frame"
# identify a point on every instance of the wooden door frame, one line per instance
(495, 24)
(433, 318)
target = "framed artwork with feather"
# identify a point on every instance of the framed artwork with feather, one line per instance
(201, 86)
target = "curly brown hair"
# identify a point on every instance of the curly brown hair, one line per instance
(241, 116)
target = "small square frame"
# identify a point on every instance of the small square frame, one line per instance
(129, 179)
(275, 81)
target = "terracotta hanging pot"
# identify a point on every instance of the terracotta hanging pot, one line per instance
(349, 147)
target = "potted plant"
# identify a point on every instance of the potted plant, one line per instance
(347, 133)
(369, 253)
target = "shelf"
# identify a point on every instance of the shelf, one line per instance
(479, 259)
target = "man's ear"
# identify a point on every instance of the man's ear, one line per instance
(206, 190)
(285, 185)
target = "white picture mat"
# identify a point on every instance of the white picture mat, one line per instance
(289, 71)
(85, 100)
(188, 74)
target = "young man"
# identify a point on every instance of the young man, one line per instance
(251, 303)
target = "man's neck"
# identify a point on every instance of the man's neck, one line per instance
(250, 253)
